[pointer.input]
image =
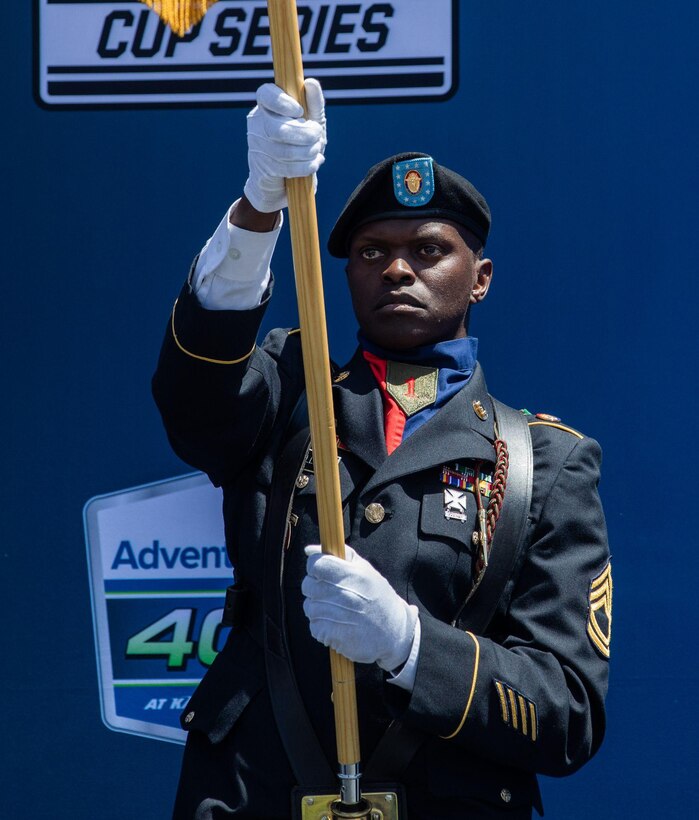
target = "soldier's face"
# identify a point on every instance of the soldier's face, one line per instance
(412, 281)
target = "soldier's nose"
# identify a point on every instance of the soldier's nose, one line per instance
(398, 271)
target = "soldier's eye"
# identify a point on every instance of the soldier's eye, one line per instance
(371, 253)
(430, 250)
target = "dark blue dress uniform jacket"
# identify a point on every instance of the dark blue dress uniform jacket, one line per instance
(526, 697)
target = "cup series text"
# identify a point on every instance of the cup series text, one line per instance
(327, 29)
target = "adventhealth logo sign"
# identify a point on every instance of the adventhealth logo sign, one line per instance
(155, 556)
(119, 53)
(158, 573)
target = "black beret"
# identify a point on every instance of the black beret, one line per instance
(410, 186)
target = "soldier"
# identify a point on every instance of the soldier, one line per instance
(423, 475)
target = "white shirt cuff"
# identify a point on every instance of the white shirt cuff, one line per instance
(232, 272)
(406, 677)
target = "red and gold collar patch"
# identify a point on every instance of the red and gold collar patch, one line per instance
(412, 386)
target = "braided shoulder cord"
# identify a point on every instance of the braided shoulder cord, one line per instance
(497, 494)
(488, 519)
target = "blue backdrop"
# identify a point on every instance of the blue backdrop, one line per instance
(579, 122)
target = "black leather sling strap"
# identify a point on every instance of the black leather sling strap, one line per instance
(400, 743)
(306, 757)
(508, 538)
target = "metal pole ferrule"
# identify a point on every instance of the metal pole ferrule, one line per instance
(349, 774)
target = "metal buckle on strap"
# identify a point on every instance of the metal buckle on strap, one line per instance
(234, 606)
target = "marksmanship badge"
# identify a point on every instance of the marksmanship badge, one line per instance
(413, 181)
(455, 504)
(599, 619)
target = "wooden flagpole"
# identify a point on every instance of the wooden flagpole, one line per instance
(288, 74)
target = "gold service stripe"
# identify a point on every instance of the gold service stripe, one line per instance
(503, 702)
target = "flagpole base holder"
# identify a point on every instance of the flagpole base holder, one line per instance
(374, 805)
(355, 811)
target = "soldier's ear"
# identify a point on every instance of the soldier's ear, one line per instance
(483, 275)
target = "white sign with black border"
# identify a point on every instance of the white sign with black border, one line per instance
(118, 53)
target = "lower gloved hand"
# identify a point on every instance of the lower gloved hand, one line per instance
(353, 609)
(282, 144)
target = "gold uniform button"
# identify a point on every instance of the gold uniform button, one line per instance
(302, 481)
(506, 795)
(189, 717)
(375, 513)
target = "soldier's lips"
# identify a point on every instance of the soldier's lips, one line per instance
(398, 302)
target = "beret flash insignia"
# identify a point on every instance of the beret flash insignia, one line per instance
(413, 181)
(599, 618)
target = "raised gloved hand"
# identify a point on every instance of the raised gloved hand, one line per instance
(282, 144)
(353, 609)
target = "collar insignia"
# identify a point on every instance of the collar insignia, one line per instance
(479, 410)
(413, 181)
(599, 618)
(413, 386)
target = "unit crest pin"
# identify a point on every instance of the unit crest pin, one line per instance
(413, 181)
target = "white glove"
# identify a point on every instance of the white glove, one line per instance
(353, 609)
(282, 144)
